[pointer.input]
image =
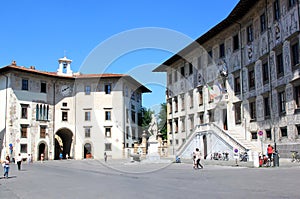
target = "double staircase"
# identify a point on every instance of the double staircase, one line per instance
(232, 140)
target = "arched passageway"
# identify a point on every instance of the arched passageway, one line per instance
(63, 143)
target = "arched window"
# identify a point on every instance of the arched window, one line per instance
(37, 112)
(47, 112)
(41, 112)
(44, 113)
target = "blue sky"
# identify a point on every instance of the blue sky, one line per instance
(38, 33)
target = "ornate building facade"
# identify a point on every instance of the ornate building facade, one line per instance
(238, 85)
(77, 115)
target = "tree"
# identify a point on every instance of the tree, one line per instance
(162, 123)
(146, 118)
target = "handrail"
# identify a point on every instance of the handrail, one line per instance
(216, 130)
(229, 136)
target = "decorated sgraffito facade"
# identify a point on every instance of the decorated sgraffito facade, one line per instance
(240, 78)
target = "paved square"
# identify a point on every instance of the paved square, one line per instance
(121, 179)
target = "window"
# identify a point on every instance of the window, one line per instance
(237, 113)
(251, 78)
(209, 57)
(191, 99)
(176, 125)
(107, 115)
(222, 50)
(297, 96)
(176, 104)
(64, 116)
(265, 70)
(237, 85)
(183, 140)
(279, 62)
(171, 142)
(190, 69)
(298, 129)
(252, 107)
(191, 122)
(176, 141)
(292, 3)
(170, 106)
(24, 108)
(87, 116)
(267, 106)
(211, 116)
(133, 116)
(254, 135)
(87, 132)
(107, 147)
(87, 90)
(64, 104)
(42, 112)
(175, 76)
(236, 44)
(276, 10)
(281, 101)
(249, 33)
(283, 131)
(23, 131)
(201, 118)
(269, 134)
(23, 148)
(295, 54)
(108, 132)
(170, 78)
(263, 22)
(200, 97)
(182, 124)
(43, 87)
(182, 71)
(42, 131)
(182, 102)
(25, 84)
(107, 88)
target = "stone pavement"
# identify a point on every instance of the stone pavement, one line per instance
(125, 179)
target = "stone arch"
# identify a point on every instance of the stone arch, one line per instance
(42, 149)
(63, 143)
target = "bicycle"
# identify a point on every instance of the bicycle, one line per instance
(295, 156)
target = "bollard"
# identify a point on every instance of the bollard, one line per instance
(255, 159)
(275, 159)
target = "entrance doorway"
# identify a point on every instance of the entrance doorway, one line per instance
(42, 149)
(63, 143)
(225, 125)
(87, 150)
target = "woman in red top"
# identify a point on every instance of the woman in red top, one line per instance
(270, 151)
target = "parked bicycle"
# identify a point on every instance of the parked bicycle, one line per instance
(295, 156)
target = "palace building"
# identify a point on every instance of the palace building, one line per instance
(73, 114)
(237, 87)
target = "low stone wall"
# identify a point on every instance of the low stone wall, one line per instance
(285, 149)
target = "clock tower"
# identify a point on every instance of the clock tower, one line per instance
(64, 67)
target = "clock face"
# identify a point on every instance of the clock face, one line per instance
(65, 90)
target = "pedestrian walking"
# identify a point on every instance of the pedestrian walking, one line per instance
(105, 157)
(19, 161)
(6, 166)
(28, 158)
(197, 159)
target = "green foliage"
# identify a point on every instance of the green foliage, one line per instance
(146, 119)
(162, 120)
